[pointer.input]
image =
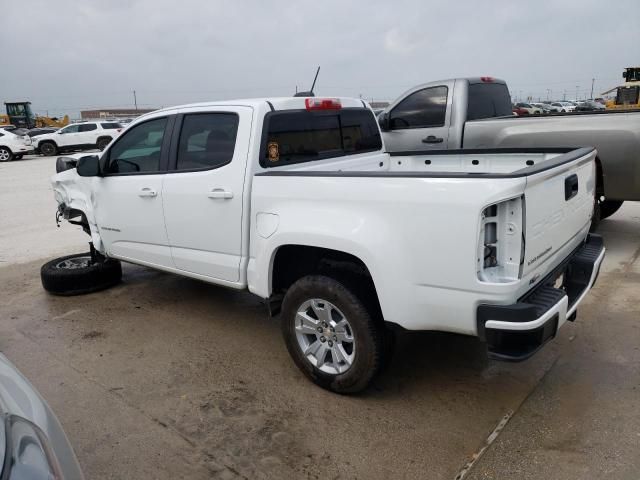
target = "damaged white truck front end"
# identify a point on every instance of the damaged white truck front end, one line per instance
(75, 198)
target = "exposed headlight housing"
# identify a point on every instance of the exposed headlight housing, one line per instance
(501, 242)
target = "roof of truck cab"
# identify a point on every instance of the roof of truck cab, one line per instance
(278, 103)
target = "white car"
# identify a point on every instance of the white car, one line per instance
(78, 136)
(296, 200)
(564, 106)
(13, 146)
(529, 107)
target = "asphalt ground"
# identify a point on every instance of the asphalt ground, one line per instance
(167, 377)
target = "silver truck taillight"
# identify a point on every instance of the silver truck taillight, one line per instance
(501, 242)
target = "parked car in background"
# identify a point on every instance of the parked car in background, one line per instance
(35, 132)
(544, 107)
(461, 113)
(519, 111)
(78, 136)
(590, 106)
(14, 143)
(33, 444)
(532, 109)
(564, 106)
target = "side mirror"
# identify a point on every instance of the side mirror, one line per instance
(65, 163)
(88, 166)
(383, 121)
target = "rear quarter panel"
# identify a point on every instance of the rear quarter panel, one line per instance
(417, 236)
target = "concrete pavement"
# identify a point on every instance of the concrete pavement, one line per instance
(166, 377)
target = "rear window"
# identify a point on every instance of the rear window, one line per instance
(302, 136)
(87, 127)
(111, 126)
(487, 100)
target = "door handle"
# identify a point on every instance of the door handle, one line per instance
(147, 192)
(570, 186)
(220, 193)
(432, 139)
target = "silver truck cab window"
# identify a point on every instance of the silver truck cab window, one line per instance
(424, 108)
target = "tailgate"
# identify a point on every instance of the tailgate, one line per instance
(558, 205)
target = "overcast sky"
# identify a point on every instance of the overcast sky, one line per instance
(69, 55)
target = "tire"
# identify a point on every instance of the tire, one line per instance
(76, 275)
(5, 154)
(48, 149)
(609, 207)
(361, 357)
(17, 157)
(102, 143)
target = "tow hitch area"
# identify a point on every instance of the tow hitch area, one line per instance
(515, 332)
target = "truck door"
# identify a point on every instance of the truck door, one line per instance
(419, 121)
(128, 197)
(203, 190)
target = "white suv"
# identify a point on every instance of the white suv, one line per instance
(13, 145)
(78, 136)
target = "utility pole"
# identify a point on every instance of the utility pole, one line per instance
(548, 94)
(592, 82)
(564, 95)
(577, 87)
(135, 100)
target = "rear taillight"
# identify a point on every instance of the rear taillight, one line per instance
(501, 242)
(322, 104)
(118, 130)
(487, 79)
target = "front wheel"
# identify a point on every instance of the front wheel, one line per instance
(5, 154)
(331, 335)
(48, 149)
(79, 274)
(102, 143)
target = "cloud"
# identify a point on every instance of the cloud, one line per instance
(70, 55)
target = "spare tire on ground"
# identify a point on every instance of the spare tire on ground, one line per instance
(78, 274)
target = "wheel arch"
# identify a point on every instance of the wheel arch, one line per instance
(290, 262)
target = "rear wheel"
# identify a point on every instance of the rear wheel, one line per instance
(48, 149)
(5, 154)
(331, 335)
(609, 207)
(78, 274)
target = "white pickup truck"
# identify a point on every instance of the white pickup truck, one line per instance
(296, 200)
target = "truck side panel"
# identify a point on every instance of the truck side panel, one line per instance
(616, 136)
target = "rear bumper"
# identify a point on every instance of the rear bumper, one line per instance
(515, 332)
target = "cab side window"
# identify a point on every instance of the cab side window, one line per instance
(422, 109)
(87, 127)
(207, 140)
(138, 150)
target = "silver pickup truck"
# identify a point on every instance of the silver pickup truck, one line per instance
(473, 113)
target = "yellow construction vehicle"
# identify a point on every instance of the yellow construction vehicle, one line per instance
(20, 115)
(627, 94)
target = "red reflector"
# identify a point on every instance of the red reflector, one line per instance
(322, 104)
(487, 79)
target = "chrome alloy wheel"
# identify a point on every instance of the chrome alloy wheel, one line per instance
(324, 336)
(5, 155)
(74, 263)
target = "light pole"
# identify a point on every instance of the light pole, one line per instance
(577, 87)
(592, 82)
(548, 94)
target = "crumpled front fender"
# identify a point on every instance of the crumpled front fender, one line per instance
(73, 192)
